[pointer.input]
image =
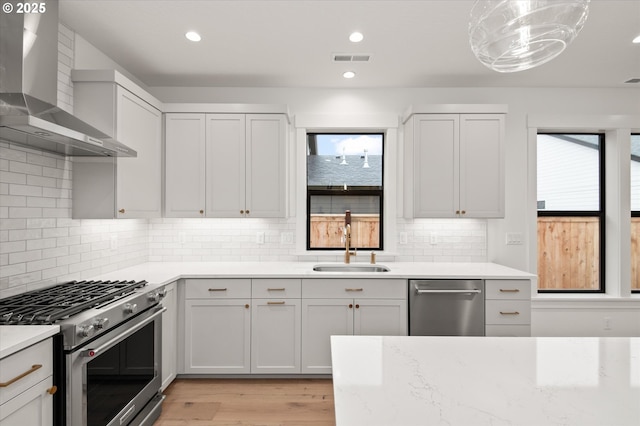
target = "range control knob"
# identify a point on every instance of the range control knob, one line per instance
(86, 330)
(153, 297)
(101, 323)
(130, 308)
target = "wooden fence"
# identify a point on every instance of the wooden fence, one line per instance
(568, 256)
(327, 230)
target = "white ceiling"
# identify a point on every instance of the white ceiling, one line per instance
(271, 43)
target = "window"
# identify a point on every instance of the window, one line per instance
(344, 173)
(571, 212)
(635, 213)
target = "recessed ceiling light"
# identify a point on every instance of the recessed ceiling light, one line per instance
(637, 40)
(349, 74)
(193, 36)
(356, 37)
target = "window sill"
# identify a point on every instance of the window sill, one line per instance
(584, 301)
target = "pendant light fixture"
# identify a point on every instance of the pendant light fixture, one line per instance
(515, 35)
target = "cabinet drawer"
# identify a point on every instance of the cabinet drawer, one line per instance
(521, 330)
(213, 288)
(355, 288)
(276, 288)
(507, 289)
(26, 361)
(508, 312)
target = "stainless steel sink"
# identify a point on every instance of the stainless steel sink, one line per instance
(350, 268)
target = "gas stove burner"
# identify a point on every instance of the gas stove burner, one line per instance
(61, 301)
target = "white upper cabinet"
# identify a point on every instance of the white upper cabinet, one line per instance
(105, 188)
(225, 165)
(185, 165)
(454, 165)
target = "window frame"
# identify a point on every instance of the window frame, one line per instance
(337, 191)
(635, 213)
(600, 214)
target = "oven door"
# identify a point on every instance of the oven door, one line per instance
(112, 379)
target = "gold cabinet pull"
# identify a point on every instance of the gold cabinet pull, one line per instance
(276, 303)
(241, 211)
(276, 289)
(246, 306)
(509, 290)
(52, 390)
(201, 211)
(350, 305)
(510, 313)
(457, 211)
(353, 289)
(357, 306)
(463, 212)
(247, 212)
(121, 211)
(217, 289)
(20, 376)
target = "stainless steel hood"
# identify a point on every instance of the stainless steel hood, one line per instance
(29, 90)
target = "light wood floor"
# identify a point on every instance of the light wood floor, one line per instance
(263, 402)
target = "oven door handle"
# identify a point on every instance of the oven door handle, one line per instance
(90, 353)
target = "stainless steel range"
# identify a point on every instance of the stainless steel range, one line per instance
(108, 353)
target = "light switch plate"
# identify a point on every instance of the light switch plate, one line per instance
(260, 237)
(514, 238)
(403, 238)
(286, 238)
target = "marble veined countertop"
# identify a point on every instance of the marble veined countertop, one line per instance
(535, 381)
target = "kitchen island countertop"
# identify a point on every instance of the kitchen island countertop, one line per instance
(486, 381)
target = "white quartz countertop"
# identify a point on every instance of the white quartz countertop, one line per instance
(14, 338)
(165, 272)
(486, 381)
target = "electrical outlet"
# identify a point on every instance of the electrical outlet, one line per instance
(260, 237)
(403, 238)
(113, 243)
(286, 238)
(514, 238)
(433, 238)
(606, 323)
(182, 237)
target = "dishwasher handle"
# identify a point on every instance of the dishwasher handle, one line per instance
(445, 291)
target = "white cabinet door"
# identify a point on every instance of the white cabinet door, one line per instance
(185, 165)
(436, 166)
(217, 336)
(169, 335)
(458, 165)
(482, 165)
(374, 317)
(275, 336)
(139, 179)
(225, 176)
(321, 319)
(33, 407)
(265, 165)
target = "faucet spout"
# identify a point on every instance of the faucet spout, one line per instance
(347, 244)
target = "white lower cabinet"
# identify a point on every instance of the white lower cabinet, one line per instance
(275, 326)
(380, 308)
(169, 335)
(27, 398)
(508, 308)
(217, 326)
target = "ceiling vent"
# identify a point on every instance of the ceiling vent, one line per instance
(633, 80)
(350, 57)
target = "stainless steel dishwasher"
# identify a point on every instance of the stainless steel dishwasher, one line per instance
(446, 308)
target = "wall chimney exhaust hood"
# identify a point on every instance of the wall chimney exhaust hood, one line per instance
(29, 90)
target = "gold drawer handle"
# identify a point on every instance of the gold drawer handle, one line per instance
(510, 313)
(217, 289)
(276, 289)
(352, 289)
(121, 211)
(275, 303)
(52, 390)
(26, 373)
(509, 290)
